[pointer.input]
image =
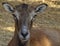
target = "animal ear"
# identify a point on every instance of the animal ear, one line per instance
(8, 7)
(41, 8)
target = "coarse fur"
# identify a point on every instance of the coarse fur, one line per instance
(25, 34)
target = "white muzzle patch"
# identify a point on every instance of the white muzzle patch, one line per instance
(24, 34)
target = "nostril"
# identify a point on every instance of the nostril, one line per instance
(24, 35)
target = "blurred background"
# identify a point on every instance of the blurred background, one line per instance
(49, 20)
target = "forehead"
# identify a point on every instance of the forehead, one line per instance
(24, 8)
(23, 11)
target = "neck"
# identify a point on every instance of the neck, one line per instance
(17, 37)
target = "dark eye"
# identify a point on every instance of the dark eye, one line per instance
(14, 16)
(34, 16)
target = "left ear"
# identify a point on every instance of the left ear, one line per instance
(40, 8)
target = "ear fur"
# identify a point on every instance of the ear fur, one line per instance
(41, 8)
(8, 7)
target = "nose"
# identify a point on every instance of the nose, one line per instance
(24, 35)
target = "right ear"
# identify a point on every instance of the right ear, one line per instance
(8, 7)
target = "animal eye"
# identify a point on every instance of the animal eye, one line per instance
(34, 16)
(14, 16)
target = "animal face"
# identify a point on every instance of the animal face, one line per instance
(23, 15)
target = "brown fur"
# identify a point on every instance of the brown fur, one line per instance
(37, 37)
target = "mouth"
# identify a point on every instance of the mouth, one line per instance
(24, 39)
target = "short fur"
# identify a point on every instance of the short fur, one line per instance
(37, 37)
